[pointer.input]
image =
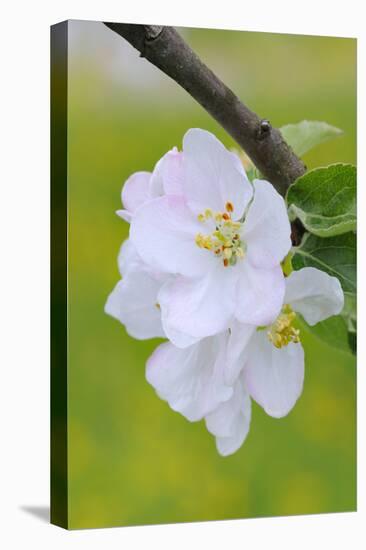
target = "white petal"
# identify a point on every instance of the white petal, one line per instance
(156, 185)
(239, 166)
(314, 294)
(125, 215)
(179, 338)
(211, 175)
(163, 231)
(128, 259)
(190, 379)
(133, 302)
(260, 294)
(231, 420)
(167, 177)
(267, 228)
(198, 307)
(274, 377)
(237, 348)
(135, 191)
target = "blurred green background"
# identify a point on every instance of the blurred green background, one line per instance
(132, 460)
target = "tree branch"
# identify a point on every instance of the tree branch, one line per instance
(166, 49)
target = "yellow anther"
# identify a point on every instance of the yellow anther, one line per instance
(204, 241)
(219, 236)
(281, 332)
(199, 239)
(224, 241)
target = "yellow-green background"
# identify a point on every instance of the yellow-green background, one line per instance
(132, 460)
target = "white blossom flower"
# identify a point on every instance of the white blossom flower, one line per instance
(202, 268)
(141, 187)
(216, 377)
(222, 243)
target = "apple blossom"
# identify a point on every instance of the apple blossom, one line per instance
(202, 268)
(222, 239)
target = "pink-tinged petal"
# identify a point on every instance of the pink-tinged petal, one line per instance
(167, 177)
(135, 191)
(314, 294)
(212, 176)
(237, 349)
(267, 230)
(190, 380)
(125, 215)
(230, 422)
(260, 294)
(163, 232)
(274, 377)
(198, 307)
(133, 302)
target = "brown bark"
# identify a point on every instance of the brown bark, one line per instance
(166, 49)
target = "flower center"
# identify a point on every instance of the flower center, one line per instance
(224, 241)
(282, 331)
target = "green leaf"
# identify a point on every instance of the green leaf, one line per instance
(324, 200)
(332, 331)
(349, 312)
(339, 331)
(337, 257)
(349, 315)
(306, 134)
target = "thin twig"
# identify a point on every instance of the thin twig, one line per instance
(167, 50)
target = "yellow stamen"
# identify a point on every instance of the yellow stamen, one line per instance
(204, 241)
(282, 331)
(224, 241)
